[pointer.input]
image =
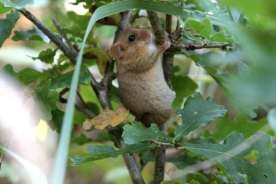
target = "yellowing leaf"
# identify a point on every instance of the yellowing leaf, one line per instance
(41, 130)
(108, 118)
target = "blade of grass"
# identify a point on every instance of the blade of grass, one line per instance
(104, 11)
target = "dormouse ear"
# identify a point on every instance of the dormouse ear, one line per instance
(145, 34)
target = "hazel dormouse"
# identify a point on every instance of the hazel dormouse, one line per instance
(142, 86)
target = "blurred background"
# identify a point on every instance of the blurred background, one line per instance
(242, 78)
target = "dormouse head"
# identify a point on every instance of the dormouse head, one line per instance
(135, 49)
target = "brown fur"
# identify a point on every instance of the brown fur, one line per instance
(142, 87)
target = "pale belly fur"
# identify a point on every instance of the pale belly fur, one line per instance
(147, 93)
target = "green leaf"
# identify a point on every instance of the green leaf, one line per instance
(178, 83)
(219, 37)
(137, 133)
(101, 12)
(18, 4)
(47, 56)
(197, 112)
(31, 34)
(204, 27)
(95, 152)
(25, 76)
(136, 148)
(102, 151)
(28, 75)
(63, 80)
(236, 163)
(6, 26)
(226, 125)
(4, 9)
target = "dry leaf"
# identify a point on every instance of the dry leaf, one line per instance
(109, 118)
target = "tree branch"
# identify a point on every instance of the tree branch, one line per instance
(168, 55)
(156, 26)
(205, 46)
(160, 37)
(71, 54)
(160, 161)
(63, 34)
(80, 103)
(134, 171)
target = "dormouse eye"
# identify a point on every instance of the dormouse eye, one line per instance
(131, 38)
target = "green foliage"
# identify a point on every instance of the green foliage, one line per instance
(197, 112)
(137, 133)
(47, 56)
(6, 26)
(16, 3)
(31, 34)
(204, 27)
(226, 125)
(236, 164)
(101, 151)
(3, 9)
(178, 82)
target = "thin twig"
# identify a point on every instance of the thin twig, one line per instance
(1, 159)
(68, 52)
(156, 26)
(206, 46)
(80, 103)
(63, 34)
(168, 55)
(168, 26)
(133, 170)
(160, 161)
(159, 32)
(71, 54)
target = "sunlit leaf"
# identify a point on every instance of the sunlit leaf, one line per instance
(4, 9)
(178, 83)
(109, 118)
(204, 27)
